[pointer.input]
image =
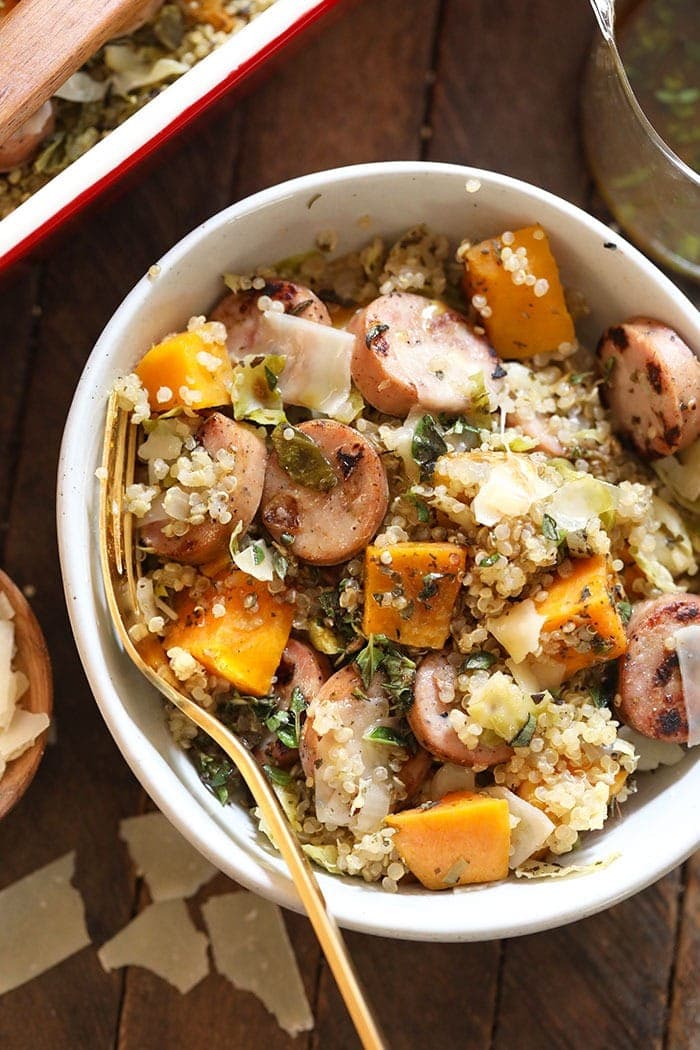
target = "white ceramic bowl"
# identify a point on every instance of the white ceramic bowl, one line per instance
(657, 829)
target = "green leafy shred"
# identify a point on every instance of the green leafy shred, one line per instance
(479, 661)
(523, 738)
(428, 445)
(488, 561)
(430, 586)
(302, 458)
(277, 776)
(386, 735)
(398, 670)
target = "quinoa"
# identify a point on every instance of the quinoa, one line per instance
(527, 518)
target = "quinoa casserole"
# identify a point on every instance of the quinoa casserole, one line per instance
(430, 557)
(166, 40)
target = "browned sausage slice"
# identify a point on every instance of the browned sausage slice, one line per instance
(429, 720)
(204, 542)
(328, 527)
(301, 667)
(24, 143)
(411, 350)
(652, 385)
(650, 687)
(240, 314)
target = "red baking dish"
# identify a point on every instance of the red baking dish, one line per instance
(189, 96)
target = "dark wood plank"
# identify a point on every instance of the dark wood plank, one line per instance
(355, 94)
(425, 995)
(598, 983)
(684, 1016)
(506, 95)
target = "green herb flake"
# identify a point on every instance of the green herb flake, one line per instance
(608, 368)
(550, 529)
(258, 554)
(301, 457)
(398, 670)
(523, 738)
(625, 611)
(488, 561)
(271, 378)
(386, 735)
(576, 378)
(428, 445)
(277, 776)
(479, 661)
(430, 586)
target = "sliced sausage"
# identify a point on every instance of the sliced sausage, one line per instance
(414, 773)
(303, 668)
(652, 385)
(328, 527)
(25, 142)
(204, 542)
(650, 687)
(429, 719)
(414, 351)
(240, 314)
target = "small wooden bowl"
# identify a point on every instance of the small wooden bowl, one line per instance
(33, 659)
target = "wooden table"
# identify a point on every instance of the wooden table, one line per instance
(493, 84)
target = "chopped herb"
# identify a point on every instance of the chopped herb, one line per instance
(279, 564)
(278, 776)
(550, 529)
(428, 445)
(287, 539)
(578, 377)
(489, 560)
(523, 738)
(479, 661)
(300, 307)
(608, 368)
(271, 378)
(430, 586)
(301, 457)
(407, 613)
(625, 611)
(215, 769)
(386, 735)
(373, 332)
(258, 554)
(422, 509)
(397, 669)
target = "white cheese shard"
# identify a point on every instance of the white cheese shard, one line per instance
(251, 947)
(688, 651)
(317, 370)
(651, 753)
(163, 939)
(7, 691)
(509, 491)
(518, 630)
(42, 920)
(171, 867)
(21, 733)
(530, 827)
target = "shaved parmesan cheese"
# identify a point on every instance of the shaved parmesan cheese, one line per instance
(688, 651)
(450, 777)
(251, 947)
(317, 369)
(7, 645)
(162, 939)
(21, 733)
(536, 675)
(510, 490)
(651, 753)
(42, 919)
(532, 829)
(171, 867)
(518, 630)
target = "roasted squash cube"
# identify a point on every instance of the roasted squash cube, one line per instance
(463, 838)
(186, 371)
(410, 591)
(236, 629)
(520, 318)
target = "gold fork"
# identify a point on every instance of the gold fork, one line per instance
(119, 577)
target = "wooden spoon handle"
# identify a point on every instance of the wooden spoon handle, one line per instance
(43, 42)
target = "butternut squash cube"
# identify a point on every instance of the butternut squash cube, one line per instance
(585, 599)
(182, 371)
(522, 318)
(462, 839)
(244, 645)
(411, 597)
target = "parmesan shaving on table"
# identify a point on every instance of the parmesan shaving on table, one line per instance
(171, 867)
(42, 919)
(18, 728)
(251, 947)
(163, 939)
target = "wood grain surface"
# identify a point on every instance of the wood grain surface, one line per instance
(473, 81)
